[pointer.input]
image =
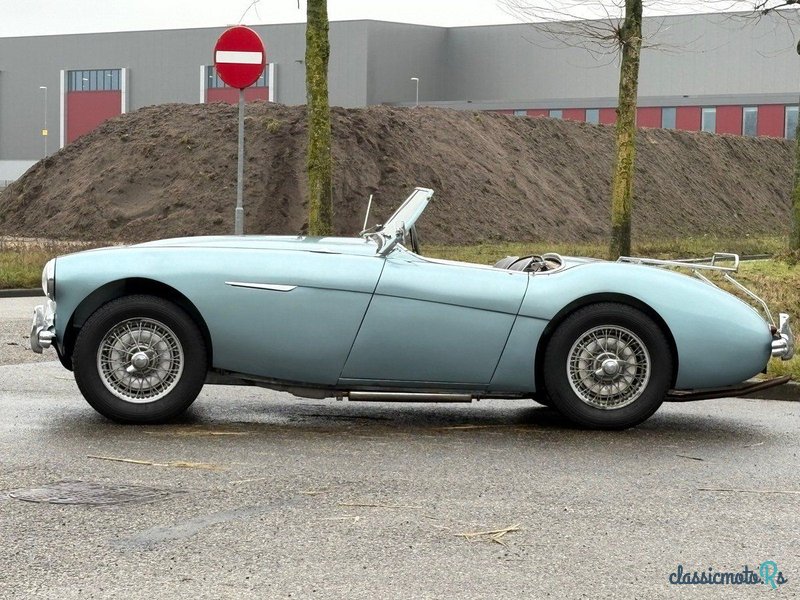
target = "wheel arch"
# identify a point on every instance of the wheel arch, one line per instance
(585, 301)
(127, 287)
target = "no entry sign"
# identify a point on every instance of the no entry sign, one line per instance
(239, 57)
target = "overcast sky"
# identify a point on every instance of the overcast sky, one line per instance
(44, 17)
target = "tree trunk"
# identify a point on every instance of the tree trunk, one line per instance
(319, 161)
(794, 236)
(630, 38)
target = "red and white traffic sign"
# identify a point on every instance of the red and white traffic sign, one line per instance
(239, 57)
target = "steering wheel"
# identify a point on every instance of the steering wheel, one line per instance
(535, 264)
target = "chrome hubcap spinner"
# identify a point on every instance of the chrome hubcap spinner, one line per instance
(610, 367)
(139, 361)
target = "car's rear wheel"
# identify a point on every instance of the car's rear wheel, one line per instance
(140, 359)
(607, 366)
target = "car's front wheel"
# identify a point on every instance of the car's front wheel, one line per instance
(140, 359)
(607, 366)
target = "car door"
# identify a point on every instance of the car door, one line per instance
(434, 323)
(286, 315)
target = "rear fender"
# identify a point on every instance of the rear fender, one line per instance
(718, 340)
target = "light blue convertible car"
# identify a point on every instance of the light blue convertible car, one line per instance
(144, 327)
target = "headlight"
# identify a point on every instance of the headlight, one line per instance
(49, 279)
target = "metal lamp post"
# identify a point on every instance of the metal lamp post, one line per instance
(44, 129)
(416, 81)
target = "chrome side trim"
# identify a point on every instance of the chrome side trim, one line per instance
(274, 287)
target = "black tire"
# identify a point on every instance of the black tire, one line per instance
(607, 366)
(163, 349)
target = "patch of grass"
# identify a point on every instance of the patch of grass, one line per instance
(22, 261)
(273, 125)
(21, 269)
(691, 247)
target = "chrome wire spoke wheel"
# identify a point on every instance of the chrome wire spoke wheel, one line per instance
(140, 360)
(608, 367)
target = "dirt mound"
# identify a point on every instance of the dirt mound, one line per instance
(170, 170)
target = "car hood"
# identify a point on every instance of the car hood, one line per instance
(329, 245)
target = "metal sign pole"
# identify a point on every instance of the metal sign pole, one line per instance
(239, 59)
(239, 214)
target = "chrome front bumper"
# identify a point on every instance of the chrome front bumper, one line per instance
(783, 339)
(43, 328)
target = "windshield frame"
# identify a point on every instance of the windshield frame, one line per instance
(409, 211)
(398, 227)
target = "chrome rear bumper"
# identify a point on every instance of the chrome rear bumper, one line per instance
(783, 339)
(43, 328)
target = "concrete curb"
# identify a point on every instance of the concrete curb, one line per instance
(789, 392)
(21, 293)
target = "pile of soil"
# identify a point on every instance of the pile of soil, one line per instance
(170, 170)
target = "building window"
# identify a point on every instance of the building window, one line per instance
(556, 113)
(668, 117)
(213, 81)
(520, 112)
(593, 115)
(95, 80)
(709, 120)
(791, 122)
(750, 120)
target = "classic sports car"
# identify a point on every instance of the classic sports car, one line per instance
(605, 343)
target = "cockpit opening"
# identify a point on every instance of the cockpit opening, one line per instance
(535, 263)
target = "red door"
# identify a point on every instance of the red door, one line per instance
(86, 110)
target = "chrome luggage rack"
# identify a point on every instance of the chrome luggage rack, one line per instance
(783, 338)
(696, 265)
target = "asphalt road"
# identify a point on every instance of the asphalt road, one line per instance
(260, 495)
(15, 326)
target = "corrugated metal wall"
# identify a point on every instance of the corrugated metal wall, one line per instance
(706, 60)
(163, 66)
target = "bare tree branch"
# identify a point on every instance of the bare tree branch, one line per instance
(566, 23)
(593, 25)
(770, 5)
(254, 6)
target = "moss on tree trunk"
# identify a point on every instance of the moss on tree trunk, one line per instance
(630, 38)
(794, 238)
(319, 162)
